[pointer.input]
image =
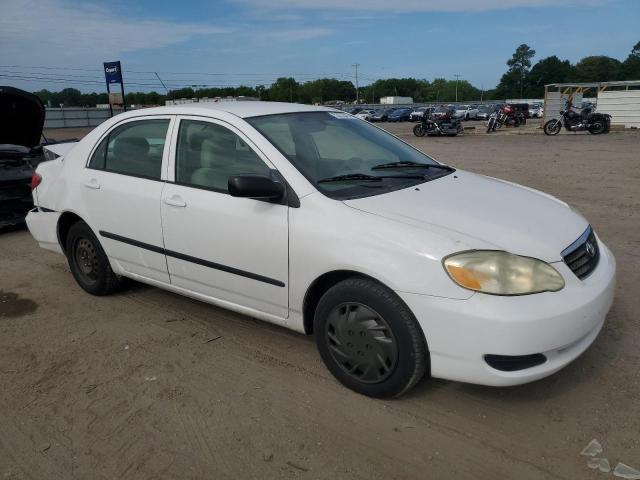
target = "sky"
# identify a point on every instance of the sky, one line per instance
(56, 44)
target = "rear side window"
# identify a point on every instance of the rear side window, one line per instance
(208, 154)
(135, 149)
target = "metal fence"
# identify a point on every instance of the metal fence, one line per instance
(76, 117)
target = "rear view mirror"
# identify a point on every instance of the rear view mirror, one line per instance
(255, 186)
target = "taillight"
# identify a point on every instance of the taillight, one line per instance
(36, 180)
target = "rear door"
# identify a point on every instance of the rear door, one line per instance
(232, 249)
(122, 187)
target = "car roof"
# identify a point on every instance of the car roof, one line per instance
(242, 109)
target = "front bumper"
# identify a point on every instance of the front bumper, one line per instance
(560, 325)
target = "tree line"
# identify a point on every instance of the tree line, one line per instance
(521, 80)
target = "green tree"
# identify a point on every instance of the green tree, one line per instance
(546, 71)
(285, 89)
(631, 66)
(598, 68)
(513, 82)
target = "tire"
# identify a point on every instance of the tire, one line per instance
(88, 262)
(491, 125)
(598, 126)
(418, 130)
(552, 127)
(369, 339)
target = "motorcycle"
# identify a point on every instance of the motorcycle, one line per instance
(432, 128)
(506, 115)
(586, 119)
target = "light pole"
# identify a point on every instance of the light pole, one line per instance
(356, 65)
(457, 75)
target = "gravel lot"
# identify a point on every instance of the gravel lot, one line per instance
(148, 384)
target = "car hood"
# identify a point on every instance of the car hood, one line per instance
(21, 117)
(480, 212)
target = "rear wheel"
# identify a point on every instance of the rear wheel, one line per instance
(88, 262)
(369, 339)
(552, 127)
(598, 126)
(418, 130)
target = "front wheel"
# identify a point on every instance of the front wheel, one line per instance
(552, 127)
(88, 263)
(491, 125)
(418, 130)
(369, 339)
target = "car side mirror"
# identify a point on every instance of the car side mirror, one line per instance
(255, 186)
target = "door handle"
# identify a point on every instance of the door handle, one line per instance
(175, 201)
(93, 183)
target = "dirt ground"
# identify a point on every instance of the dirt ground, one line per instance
(148, 384)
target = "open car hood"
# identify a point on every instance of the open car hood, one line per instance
(21, 117)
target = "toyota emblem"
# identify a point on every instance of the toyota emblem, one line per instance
(591, 250)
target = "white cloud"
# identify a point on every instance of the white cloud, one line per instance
(298, 34)
(409, 5)
(56, 29)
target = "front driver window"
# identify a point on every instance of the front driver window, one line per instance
(208, 154)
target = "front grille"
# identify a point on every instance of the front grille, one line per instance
(582, 256)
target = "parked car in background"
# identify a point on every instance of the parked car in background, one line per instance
(466, 112)
(442, 110)
(417, 114)
(365, 114)
(307, 218)
(484, 111)
(522, 109)
(380, 115)
(400, 115)
(21, 122)
(536, 110)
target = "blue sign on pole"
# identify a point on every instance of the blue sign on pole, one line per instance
(112, 72)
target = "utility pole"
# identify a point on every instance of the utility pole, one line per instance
(165, 87)
(481, 91)
(356, 65)
(457, 75)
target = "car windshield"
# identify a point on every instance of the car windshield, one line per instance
(337, 153)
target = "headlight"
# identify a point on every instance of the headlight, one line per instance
(502, 273)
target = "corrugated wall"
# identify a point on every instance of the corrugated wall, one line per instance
(622, 105)
(557, 101)
(76, 117)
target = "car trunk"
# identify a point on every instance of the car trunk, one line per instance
(21, 123)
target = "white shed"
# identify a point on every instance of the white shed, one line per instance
(621, 100)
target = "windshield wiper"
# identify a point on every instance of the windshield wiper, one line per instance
(408, 164)
(350, 177)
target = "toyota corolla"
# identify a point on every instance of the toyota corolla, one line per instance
(312, 219)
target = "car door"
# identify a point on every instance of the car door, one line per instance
(121, 189)
(231, 249)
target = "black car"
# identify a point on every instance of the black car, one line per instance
(21, 122)
(400, 115)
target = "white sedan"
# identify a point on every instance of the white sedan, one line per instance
(309, 218)
(466, 112)
(365, 114)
